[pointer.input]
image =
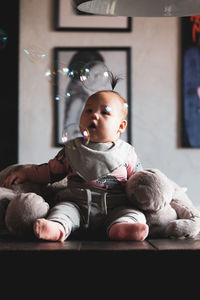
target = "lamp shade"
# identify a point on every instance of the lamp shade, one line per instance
(141, 8)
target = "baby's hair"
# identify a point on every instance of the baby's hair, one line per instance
(113, 80)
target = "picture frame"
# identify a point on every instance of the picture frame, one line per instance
(69, 19)
(70, 93)
(190, 82)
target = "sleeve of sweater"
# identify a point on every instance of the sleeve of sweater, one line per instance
(55, 170)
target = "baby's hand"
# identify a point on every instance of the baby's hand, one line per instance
(15, 178)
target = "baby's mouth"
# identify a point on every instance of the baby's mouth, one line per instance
(92, 125)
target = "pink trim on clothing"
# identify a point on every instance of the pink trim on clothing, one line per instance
(58, 168)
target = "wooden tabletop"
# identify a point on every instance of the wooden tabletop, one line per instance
(8, 243)
(151, 254)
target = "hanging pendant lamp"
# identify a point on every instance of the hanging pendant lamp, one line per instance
(141, 8)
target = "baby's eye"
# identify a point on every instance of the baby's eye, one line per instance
(89, 110)
(104, 112)
(107, 110)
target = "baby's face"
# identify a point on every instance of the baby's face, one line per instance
(102, 116)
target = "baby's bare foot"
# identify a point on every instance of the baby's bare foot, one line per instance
(128, 231)
(49, 230)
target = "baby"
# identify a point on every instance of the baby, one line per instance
(97, 171)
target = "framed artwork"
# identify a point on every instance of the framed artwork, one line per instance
(190, 136)
(82, 71)
(68, 18)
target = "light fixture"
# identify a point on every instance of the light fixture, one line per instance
(141, 8)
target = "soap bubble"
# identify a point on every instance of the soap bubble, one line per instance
(35, 53)
(3, 39)
(72, 131)
(76, 70)
(108, 108)
(62, 68)
(57, 75)
(63, 95)
(96, 76)
(86, 136)
(50, 75)
(52, 72)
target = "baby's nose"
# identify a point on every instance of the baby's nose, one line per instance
(95, 116)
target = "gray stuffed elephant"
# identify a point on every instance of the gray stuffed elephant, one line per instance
(168, 210)
(22, 204)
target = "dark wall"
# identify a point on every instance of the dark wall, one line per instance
(9, 23)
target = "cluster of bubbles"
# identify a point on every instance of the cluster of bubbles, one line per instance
(73, 131)
(93, 76)
(3, 39)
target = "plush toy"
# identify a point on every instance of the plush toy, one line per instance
(21, 205)
(168, 210)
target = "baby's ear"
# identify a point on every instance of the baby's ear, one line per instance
(122, 126)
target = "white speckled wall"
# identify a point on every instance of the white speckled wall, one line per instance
(155, 91)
